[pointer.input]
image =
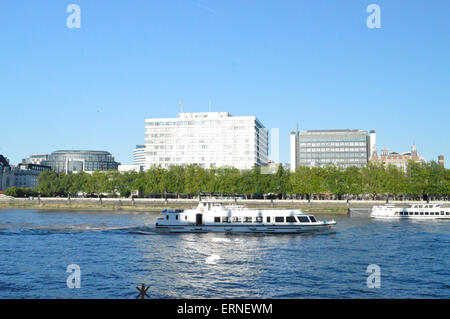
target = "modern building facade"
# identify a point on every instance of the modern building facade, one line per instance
(139, 155)
(212, 139)
(70, 161)
(319, 148)
(399, 160)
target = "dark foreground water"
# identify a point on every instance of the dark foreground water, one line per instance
(117, 251)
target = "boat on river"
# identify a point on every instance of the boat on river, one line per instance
(414, 211)
(218, 217)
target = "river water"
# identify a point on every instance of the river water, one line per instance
(117, 251)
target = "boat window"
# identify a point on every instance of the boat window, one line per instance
(442, 213)
(426, 213)
(411, 213)
(279, 219)
(217, 219)
(313, 220)
(167, 216)
(421, 213)
(225, 219)
(258, 219)
(247, 219)
(290, 219)
(185, 217)
(236, 219)
(268, 219)
(303, 219)
(447, 213)
(176, 217)
(432, 213)
(416, 213)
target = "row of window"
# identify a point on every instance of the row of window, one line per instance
(331, 155)
(423, 213)
(202, 123)
(269, 219)
(334, 144)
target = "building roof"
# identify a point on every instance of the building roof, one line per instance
(81, 152)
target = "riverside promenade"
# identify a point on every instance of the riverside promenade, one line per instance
(146, 204)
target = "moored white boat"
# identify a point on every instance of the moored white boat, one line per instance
(217, 217)
(415, 211)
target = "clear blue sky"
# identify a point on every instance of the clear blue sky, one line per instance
(311, 62)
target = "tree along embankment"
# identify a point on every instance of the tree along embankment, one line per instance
(141, 204)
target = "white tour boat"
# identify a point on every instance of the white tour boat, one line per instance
(415, 211)
(217, 217)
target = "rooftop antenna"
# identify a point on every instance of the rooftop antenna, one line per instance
(297, 128)
(181, 106)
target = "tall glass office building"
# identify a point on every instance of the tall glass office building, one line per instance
(69, 161)
(212, 139)
(337, 147)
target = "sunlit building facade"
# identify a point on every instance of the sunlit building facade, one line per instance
(139, 155)
(319, 148)
(213, 139)
(399, 160)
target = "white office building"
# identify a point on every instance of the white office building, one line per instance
(213, 139)
(139, 155)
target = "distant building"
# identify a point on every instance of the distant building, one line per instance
(139, 155)
(213, 139)
(5, 173)
(271, 167)
(37, 159)
(26, 175)
(398, 159)
(130, 168)
(441, 160)
(69, 161)
(319, 148)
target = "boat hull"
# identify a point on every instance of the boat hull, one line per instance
(279, 229)
(412, 217)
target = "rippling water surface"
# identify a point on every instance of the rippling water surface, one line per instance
(117, 251)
